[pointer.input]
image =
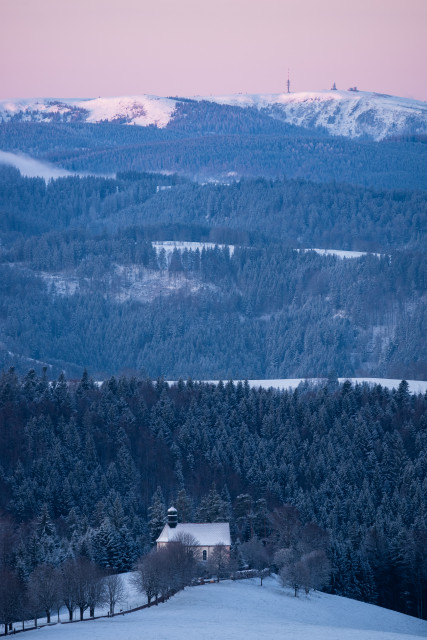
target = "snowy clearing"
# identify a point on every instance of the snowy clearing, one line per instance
(340, 253)
(415, 386)
(170, 245)
(128, 282)
(244, 610)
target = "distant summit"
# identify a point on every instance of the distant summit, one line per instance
(351, 113)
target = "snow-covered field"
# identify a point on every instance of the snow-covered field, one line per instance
(415, 386)
(132, 599)
(170, 245)
(342, 253)
(245, 611)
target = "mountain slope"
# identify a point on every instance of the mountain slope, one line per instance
(142, 110)
(345, 113)
(232, 610)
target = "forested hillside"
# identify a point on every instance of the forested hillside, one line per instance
(262, 313)
(83, 286)
(214, 143)
(198, 258)
(88, 470)
(296, 212)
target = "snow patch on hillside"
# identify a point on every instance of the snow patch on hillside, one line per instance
(61, 284)
(170, 245)
(124, 283)
(141, 110)
(415, 386)
(342, 253)
(236, 610)
(144, 285)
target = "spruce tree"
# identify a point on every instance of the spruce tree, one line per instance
(156, 515)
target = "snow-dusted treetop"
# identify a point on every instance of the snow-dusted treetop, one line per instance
(346, 113)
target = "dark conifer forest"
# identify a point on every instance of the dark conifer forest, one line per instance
(83, 285)
(208, 141)
(89, 470)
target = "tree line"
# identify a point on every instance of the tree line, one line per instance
(206, 140)
(300, 214)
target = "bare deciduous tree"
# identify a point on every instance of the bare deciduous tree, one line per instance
(310, 571)
(184, 556)
(96, 590)
(148, 575)
(318, 569)
(83, 577)
(292, 572)
(219, 561)
(116, 591)
(10, 598)
(43, 587)
(256, 555)
(68, 586)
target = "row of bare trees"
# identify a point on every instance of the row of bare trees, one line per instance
(78, 584)
(301, 562)
(298, 553)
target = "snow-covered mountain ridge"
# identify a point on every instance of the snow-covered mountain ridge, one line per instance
(141, 110)
(346, 113)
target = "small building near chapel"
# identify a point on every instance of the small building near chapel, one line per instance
(206, 535)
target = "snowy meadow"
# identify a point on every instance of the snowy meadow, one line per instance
(237, 610)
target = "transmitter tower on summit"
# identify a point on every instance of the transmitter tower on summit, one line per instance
(288, 83)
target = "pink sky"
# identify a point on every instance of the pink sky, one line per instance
(85, 48)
